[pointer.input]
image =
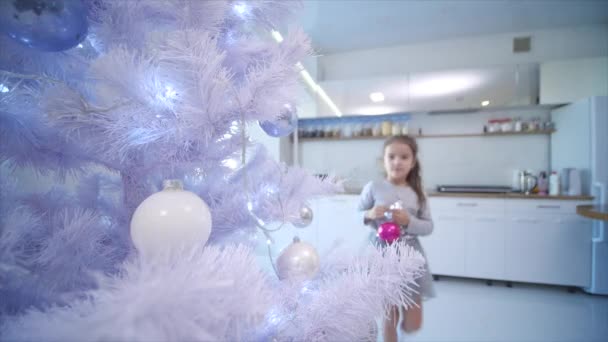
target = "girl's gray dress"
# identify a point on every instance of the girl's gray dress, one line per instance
(385, 193)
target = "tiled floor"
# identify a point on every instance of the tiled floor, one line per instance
(469, 310)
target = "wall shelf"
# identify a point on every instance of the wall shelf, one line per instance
(425, 136)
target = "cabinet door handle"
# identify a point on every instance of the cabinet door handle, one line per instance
(486, 219)
(467, 204)
(525, 220)
(548, 206)
(455, 218)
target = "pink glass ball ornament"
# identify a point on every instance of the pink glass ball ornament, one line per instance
(298, 261)
(389, 231)
(171, 219)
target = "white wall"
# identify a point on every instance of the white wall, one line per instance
(571, 80)
(454, 160)
(489, 50)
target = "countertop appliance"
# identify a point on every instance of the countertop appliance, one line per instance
(581, 142)
(494, 189)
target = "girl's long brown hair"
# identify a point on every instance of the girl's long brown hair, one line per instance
(413, 179)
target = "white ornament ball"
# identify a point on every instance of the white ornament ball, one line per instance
(298, 261)
(170, 219)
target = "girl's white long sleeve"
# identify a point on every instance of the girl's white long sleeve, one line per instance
(420, 224)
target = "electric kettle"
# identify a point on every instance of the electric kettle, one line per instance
(574, 183)
(528, 182)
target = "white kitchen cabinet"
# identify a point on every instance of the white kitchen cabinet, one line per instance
(468, 239)
(485, 246)
(549, 249)
(527, 240)
(444, 248)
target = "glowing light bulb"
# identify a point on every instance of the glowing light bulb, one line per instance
(170, 93)
(241, 9)
(230, 163)
(277, 36)
(376, 97)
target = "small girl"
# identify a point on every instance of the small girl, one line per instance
(403, 185)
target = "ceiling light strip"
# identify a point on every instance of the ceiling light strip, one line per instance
(310, 81)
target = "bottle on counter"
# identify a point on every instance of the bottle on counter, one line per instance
(516, 182)
(554, 184)
(543, 185)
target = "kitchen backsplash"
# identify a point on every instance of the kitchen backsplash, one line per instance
(448, 160)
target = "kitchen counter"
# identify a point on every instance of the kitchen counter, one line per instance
(598, 212)
(512, 195)
(490, 195)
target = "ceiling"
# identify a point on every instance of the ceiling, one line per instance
(343, 25)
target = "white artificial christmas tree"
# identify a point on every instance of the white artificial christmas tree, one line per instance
(114, 97)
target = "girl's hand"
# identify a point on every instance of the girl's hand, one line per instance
(401, 217)
(376, 212)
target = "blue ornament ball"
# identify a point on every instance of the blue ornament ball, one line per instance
(46, 25)
(282, 125)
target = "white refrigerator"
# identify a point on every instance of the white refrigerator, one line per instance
(581, 141)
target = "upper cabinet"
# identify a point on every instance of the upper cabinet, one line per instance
(435, 90)
(567, 81)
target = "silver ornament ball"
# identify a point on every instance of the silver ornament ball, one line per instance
(305, 217)
(283, 125)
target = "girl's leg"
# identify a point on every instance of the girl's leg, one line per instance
(412, 317)
(390, 325)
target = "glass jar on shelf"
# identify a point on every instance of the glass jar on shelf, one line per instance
(533, 125)
(347, 128)
(493, 126)
(309, 131)
(337, 130)
(312, 131)
(368, 128)
(377, 130)
(387, 128)
(405, 127)
(357, 128)
(506, 125)
(396, 127)
(328, 130)
(360, 127)
(301, 131)
(517, 126)
(320, 131)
